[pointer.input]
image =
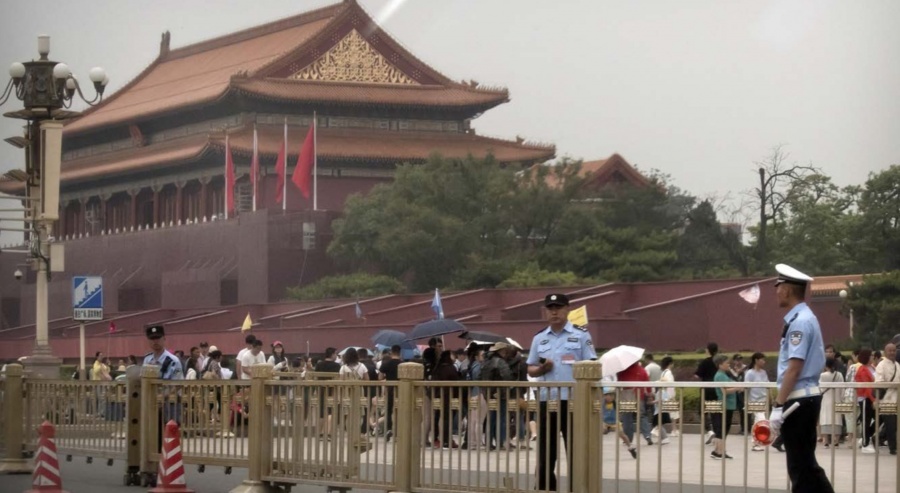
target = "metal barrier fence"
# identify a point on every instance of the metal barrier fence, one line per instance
(685, 458)
(434, 436)
(89, 416)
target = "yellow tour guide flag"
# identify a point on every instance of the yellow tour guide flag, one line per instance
(579, 316)
(247, 324)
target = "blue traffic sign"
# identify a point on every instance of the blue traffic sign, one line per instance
(87, 297)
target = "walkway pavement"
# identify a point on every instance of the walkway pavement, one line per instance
(681, 465)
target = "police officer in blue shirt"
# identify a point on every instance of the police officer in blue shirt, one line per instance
(169, 369)
(169, 366)
(554, 351)
(800, 362)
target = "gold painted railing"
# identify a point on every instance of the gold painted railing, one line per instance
(89, 416)
(427, 436)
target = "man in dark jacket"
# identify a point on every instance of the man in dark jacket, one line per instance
(496, 369)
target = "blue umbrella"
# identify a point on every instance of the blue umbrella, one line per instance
(483, 336)
(434, 328)
(388, 338)
(406, 354)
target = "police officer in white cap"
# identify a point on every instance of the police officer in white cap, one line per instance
(800, 362)
(554, 351)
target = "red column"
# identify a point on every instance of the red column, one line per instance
(203, 192)
(104, 214)
(61, 224)
(155, 206)
(179, 202)
(82, 217)
(133, 215)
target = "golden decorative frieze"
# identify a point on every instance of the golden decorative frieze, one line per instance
(353, 59)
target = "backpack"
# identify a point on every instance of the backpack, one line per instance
(354, 372)
(489, 370)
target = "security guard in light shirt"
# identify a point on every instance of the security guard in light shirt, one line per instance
(554, 351)
(800, 362)
(169, 366)
(169, 369)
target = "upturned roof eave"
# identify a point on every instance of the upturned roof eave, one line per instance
(475, 107)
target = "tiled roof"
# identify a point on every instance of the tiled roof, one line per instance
(201, 73)
(245, 61)
(187, 149)
(372, 94)
(338, 144)
(598, 173)
(832, 285)
(604, 168)
(384, 145)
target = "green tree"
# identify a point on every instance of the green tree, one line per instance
(431, 222)
(815, 229)
(876, 308)
(878, 228)
(533, 276)
(772, 196)
(707, 250)
(347, 286)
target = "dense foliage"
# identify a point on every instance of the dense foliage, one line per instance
(349, 286)
(876, 308)
(476, 223)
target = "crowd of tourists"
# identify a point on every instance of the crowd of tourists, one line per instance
(506, 362)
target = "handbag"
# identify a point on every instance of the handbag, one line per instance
(880, 393)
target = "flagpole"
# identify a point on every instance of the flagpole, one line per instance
(254, 171)
(315, 164)
(225, 195)
(284, 171)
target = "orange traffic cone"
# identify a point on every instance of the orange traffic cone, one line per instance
(171, 466)
(46, 466)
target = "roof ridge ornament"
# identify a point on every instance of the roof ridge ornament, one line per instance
(165, 43)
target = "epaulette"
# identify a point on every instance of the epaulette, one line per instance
(582, 328)
(542, 330)
(148, 354)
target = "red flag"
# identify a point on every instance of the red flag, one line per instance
(229, 180)
(303, 171)
(280, 168)
(112, 327)
(254, 167)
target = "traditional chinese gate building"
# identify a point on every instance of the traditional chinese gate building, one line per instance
(142, 193)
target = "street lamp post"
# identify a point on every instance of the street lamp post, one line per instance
(46, 90)
(843, 294)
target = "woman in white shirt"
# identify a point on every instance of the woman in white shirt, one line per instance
(352, 369)
(830, 423)
(669, 419)
(757, 373)
(278, 358)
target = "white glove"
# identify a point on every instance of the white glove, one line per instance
(776, 419)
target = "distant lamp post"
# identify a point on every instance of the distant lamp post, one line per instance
(46, 89)
(843, 294)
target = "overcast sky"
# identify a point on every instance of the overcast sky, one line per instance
(696, 89)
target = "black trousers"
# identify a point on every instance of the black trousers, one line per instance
(799, 432)
(549, 427)
(890, 428)
(867, 417)
(389, 418)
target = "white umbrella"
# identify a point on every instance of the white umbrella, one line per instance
(343, 351)
(620, 358)
(513, 343)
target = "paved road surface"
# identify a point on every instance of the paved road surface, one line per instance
(79, 477)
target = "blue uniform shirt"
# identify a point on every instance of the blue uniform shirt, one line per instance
(802, 340)
(564, 349)
(170, 371)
